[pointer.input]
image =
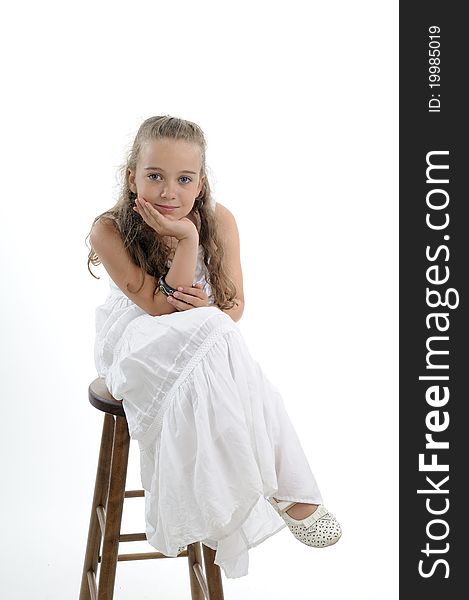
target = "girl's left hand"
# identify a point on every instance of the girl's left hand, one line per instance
(189, 297)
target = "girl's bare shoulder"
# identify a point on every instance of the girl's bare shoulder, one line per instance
(105, 224)
(224, 217)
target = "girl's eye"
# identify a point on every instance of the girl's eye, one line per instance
(182, 177)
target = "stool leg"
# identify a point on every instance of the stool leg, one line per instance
(99, 499)
(195, 557)
(213, 574)
(115, 505)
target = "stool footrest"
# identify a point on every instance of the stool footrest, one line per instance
(134, 494)
(132, 537)
(145, 556)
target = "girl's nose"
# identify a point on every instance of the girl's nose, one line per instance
(168, 192)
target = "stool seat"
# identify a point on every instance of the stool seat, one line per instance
(101, 399)
(97, 582)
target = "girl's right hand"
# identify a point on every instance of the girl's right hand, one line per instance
(178, 228)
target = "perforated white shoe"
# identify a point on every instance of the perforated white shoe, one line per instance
(319, 530)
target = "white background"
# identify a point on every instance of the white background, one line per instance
(299, 104)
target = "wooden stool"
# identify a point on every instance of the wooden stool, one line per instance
(106, 514)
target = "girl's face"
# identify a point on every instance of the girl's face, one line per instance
(168, 174)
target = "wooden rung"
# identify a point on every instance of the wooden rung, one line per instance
(200, 578)
(145, 556)
(101, 517)
(132, 537)
(134, 494)
(92, 585)
(148, 555)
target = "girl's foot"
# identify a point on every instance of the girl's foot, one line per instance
(300, 510)
(318, 528)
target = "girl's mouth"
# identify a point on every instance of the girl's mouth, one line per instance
(166, 208)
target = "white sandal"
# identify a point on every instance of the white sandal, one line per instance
(319, 529)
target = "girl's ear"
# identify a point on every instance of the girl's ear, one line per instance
(201, 185)
(131, 176)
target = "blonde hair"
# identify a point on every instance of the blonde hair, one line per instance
(144, 245)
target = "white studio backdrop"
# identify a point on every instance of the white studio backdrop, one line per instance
(299, 104)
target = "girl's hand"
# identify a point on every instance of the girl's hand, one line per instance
(189, 297)
(178, 228)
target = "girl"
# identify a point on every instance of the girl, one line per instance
(220, 460)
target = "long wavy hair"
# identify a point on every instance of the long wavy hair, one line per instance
(144, 245)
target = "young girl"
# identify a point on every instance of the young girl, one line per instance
(220, 460)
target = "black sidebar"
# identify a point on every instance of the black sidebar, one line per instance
(433, 305)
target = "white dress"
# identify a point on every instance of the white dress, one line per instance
(215, 439)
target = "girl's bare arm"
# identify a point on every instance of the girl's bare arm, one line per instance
(108, 245)
(228, 228)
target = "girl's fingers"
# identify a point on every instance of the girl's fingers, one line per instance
(149, 214)
(183, 301)
(179, 304)
(152, 212)
(188, 298)
(193, 295)
(144, 204)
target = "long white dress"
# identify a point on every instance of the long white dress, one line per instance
(214, 436)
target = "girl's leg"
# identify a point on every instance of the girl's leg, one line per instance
(295, 478)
